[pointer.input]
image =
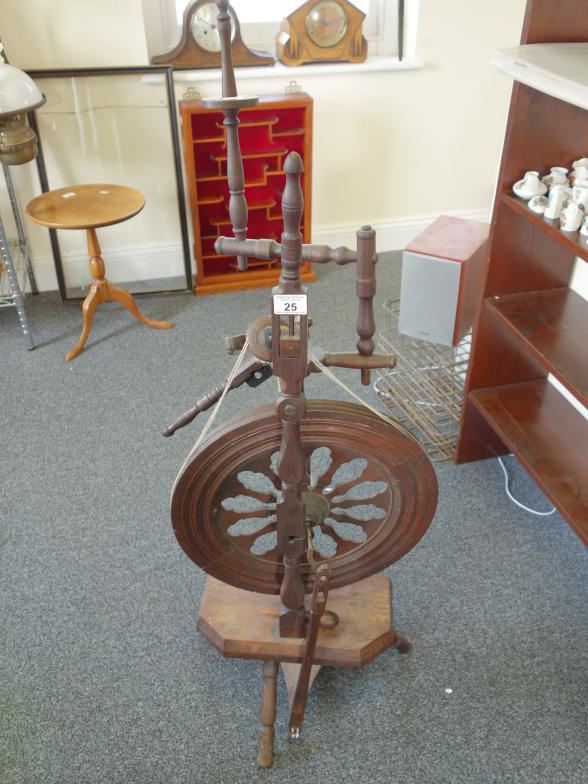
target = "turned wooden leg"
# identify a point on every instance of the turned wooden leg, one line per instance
(125, 299)
(402, 643)
(269, 689)
(88, 309)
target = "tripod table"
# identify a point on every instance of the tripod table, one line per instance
(91, 207)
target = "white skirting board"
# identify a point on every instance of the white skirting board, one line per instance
(161, 261)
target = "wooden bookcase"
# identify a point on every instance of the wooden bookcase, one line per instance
(530, 323)
(267, 133)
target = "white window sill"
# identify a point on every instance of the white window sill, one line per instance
(280, 71)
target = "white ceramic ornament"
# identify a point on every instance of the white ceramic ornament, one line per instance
(558, 175)
(579, 172)
(529, 186)
(572, 216)
(538, 204)
(555, 202)
(580, 193)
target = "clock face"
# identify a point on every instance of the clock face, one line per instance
(203, 27)
(326, 23)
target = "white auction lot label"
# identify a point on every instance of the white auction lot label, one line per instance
(290, 304)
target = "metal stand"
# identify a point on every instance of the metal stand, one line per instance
(22, 237)
(10, 288)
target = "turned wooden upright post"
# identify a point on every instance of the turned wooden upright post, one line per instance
(238, 210)
(366, 289)
(290, 363)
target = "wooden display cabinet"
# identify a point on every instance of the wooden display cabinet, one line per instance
(531, 324)
(267, 133)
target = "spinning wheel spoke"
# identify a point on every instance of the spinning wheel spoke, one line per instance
(259, 485)
(379, 501)
(324, 543)
(361, 513)
(265, 545)
(351, 492)
(263, 498)
(246, 503)
(346, 532)
(255, 542)
(250, 524)
(339, 460)
(369, 528)
(343, 544)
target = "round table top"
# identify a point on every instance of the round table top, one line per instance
(85, 206)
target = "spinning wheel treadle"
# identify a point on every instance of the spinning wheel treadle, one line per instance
(369, 497)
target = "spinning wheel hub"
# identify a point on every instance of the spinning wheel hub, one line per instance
(316, 508)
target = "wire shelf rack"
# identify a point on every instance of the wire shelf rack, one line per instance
(425, 389)
(18, 253)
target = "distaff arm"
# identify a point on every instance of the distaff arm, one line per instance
(270, 249)
(247, 375)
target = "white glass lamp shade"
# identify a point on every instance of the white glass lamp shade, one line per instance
(18, 95)
(18, 92)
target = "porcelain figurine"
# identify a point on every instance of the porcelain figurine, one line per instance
(538, 204)
(572, 216)
(529, 186)
(581, 182)
(555, 202)
(579, 170)
(558, 175)
(580, 193)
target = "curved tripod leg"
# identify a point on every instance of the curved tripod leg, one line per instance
(88, 308)
(126, 300)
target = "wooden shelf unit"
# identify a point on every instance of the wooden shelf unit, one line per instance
(530, 323)
(267, 133)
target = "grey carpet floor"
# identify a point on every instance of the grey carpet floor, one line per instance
(103, 677)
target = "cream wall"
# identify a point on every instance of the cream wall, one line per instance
(73, 33)
(392, 148)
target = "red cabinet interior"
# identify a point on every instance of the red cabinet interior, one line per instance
(267, 133)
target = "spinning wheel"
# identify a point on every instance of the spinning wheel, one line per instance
(369, 497)
(303, 497)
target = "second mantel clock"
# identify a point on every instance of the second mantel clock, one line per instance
(322, 31)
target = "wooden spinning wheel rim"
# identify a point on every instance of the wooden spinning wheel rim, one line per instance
(350, 432)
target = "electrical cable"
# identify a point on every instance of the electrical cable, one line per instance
(514, 500)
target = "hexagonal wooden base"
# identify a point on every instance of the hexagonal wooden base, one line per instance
(244, 625)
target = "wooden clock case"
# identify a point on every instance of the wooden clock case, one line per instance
(187, 54)
(295, 47)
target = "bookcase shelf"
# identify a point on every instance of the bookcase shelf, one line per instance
(267, 132)
(531, 325)
(551, 324)
(572, 240)
(548, 436)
